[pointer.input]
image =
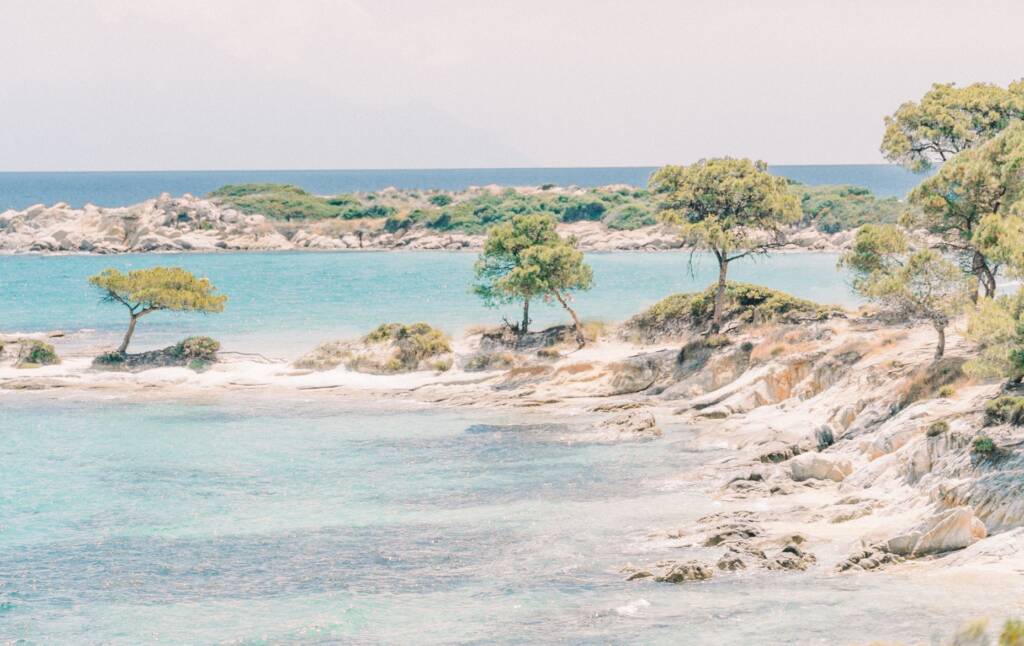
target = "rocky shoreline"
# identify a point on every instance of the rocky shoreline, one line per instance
(850, 450)
(191, 224)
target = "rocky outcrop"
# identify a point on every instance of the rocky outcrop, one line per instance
(188, 223)
(185, 223)
(952, 529)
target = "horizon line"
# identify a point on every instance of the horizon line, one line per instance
(407, 169)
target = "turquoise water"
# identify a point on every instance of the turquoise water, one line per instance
(20, 190)
(287, 302)
(247, 521)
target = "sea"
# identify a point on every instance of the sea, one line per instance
(119, 188)
(303, 518)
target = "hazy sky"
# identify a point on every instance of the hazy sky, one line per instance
(229, 84)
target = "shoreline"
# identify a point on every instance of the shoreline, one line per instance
(822, 443)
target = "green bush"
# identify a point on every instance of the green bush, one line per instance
(109, 359)
(35, 353)
(678, 314)
(629, 216)
(840, 208)
(441, 199)
(1004, 410)
(938, 428)
(201, 348)
(983, 446)
(288, 202)
(414, 343)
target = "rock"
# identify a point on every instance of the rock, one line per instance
(640, 424)
(791, 557)
(818, 466)
(949, 530)
(683, 572)
(641, 574)
(870, 558)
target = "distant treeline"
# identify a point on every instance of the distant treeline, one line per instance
(829, 208)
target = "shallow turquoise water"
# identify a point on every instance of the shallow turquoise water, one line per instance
(248, 521)
(286, 302)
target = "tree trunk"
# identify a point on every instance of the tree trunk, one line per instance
(986, 279)
(128, 334)
(580, 339)
(526, 317)
(940, 347)
(716, 318)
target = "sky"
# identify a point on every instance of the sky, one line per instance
(305, 84)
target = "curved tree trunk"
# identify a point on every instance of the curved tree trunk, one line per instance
(128, 335)
(524, 326)
(716, 318)
(986, 277)
(580, 339)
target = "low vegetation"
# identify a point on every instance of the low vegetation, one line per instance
(683, 315)
(937, 428)
(831, 209)
(828, 208)
(1005, 410)
(196, 352)
(34, 353)
(288, 202)
(389, 349)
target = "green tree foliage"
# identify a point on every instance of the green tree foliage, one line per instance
(975, 204)
(949, 120)
(915, 285)
(526, 259)
(144, 291)
(730, 207)
(997, 327)
(288, 202)
(838, 208)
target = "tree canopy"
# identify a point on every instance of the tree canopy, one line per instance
(914, 285)
(975, 203)
(525, 259)
(949, 120)
(144, 291)
(731, 207)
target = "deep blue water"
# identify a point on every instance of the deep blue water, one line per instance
(284, 303)
(20, 190)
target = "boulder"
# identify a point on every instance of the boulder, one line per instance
(817, 466)
(683, 572)
(639, 424)
(952, 529)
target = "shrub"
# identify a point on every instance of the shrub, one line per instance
(983, 446)
(490, 361)
(1004, 410)
(109, 359)
(838, 208)
(629, 216)
(927, 381)
(680, 314)
(441, 199)
(947, 391)
(288, 202)
(197, 347)
(938, 428)
(197, 352)
(34, 353)
(414, 343)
